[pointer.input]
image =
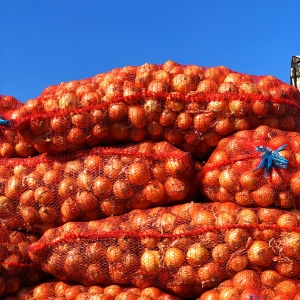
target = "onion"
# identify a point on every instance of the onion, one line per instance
(197, 255)
(138, 173)
(150, 262)
(210, 275)
(154, 191)
(68, 101)
(260, 253)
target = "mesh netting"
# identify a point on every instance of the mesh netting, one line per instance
(46, 191)
(186, 249)
(258, 167)
(189, 106)
(11, 144)
(16, 268)
(252, 285)
(59, 290)
(8, 105)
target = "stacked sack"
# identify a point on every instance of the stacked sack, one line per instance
(46, 191)
(60, 290)
(189, 106)
(11, 144)
(185, 249)
(250, 284)
(258, 167)
(112, 183)
(15, 264)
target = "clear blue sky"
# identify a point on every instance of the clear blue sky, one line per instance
(45, 42)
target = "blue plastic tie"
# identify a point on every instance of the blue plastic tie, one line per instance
(4, 122)
(271, 158)
(251, 298)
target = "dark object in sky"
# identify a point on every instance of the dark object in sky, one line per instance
(295, 71)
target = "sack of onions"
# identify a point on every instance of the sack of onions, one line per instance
(8, 104)
(258, 167)
(60, 290)
(189, 106)
(249, 284)
(48, 190)
(186, 249)
(16, 268)
(11, 145)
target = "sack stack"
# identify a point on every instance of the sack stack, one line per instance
(121, 167)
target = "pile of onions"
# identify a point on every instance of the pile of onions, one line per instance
(231, 173)
(189, 106)
(15, 264)
(59, 290)
(186, 249)
(265, 285)
(46, 191)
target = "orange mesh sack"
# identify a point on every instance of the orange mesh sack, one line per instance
(189, 106)
(259, 167)
(59, 290)
(252, 285)
(46, 191)
(11, 145)
(16, 268)
(185, 249)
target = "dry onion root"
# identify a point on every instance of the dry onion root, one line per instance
(59, 290)
(189, 106)
(46, 191)
(186, 249)
(15, 264)
(238, 171)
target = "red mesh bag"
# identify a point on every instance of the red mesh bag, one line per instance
(185, 249)
(255, 168)
(46, 191)
(11, 144)
(189, 106)
(8, 105)
(59, 290)
(252, 285)
(16, 268)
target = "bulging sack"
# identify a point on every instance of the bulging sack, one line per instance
(16, 268)
(258, 167)
(186, 249)
(48, 190)
(189, 106)
(59, 290)
(252, 285)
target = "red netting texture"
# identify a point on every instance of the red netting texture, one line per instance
(11, 144)
(249, 284)
(186, 249)
(231, 173)
(16, 268)
(48, 190)
(59, 290)
(189, 106)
